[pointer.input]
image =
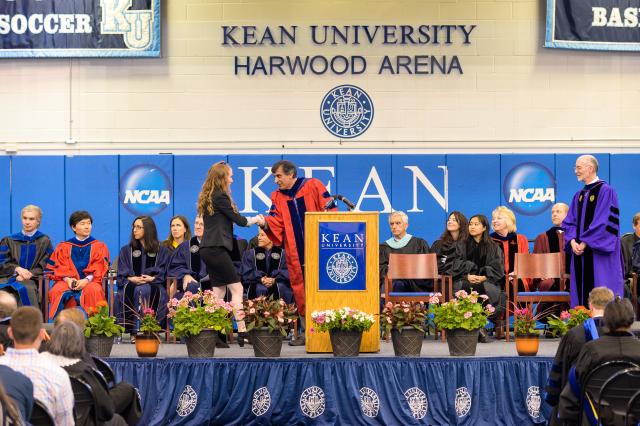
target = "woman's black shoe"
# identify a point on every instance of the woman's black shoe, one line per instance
(243, 337)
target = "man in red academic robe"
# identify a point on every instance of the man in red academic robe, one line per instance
(285, 224)
(77, 267)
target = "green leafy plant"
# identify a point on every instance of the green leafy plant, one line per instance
(345, 319)
(559, 326)
(148, 322)
(466, 311)
(276, 315)
(100, 322)
(196, 312)
(404, 314)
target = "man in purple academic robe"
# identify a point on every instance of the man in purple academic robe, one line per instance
(592, 235)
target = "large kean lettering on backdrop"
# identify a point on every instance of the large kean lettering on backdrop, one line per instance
(79, 28)
(593, 24)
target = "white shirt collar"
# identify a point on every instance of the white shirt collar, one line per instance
(82, 239)
(30, 234)
(594, 180)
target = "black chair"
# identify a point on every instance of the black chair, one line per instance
(40, 415)
(616, 394)
(106, 371)
(103, 381)
(632, 416)
(593, 382)
(84, 409)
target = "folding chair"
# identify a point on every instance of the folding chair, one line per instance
(632, 415)
(616, 393)
(416, 266)
(536, 265)
(84, 409)
(596, 379)
(40, 415)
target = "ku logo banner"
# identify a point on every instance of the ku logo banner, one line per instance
(342, 256)
(79, 28)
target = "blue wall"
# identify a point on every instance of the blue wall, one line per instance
(424, 186)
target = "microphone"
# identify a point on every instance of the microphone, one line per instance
(346, 201)
(331, 203)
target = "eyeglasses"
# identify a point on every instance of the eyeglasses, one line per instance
(138, 227)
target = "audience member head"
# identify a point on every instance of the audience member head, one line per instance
(558, 213)
(8, 304)
(263, 240)
(619, 315)
(67, 340)
(219, 178)
(26, 327)
(198, 226)
(144, 234)
(586, 168)
(399, 223)
(179, 230)
(479, 228)
(73, 315)
(81, 222)
(636, 224)
(457, 228)
(31, 216)
(503, 220)
(598, 299)
(284, 173)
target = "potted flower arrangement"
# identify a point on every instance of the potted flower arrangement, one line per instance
(199, 317)
(147, 340)
(267, 321)
(345, 327)
(405, 322)
(559, 326)
(463, 316)
(524, 328)
(100, 329)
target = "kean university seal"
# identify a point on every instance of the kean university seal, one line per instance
(346, 111)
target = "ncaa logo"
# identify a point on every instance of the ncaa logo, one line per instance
(529, 188)
(145, 190)
(346, 111)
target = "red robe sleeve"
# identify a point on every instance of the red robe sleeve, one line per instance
(99, 261)
(275, 223)
(60, 263)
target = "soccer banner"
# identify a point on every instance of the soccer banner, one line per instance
(79, 28)
(593, 24)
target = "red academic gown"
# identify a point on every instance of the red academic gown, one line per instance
(286, 226)
(511, 244)
(77, 259)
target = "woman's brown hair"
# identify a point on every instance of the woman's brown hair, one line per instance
(216, 180)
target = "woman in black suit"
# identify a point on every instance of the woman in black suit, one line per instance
(219, 212)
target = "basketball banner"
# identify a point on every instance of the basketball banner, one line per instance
(593, 24)
(79, 28)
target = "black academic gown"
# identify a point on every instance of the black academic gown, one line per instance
(414, 246)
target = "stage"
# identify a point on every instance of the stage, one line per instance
(496, 387)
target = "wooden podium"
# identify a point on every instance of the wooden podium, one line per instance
(342, 269)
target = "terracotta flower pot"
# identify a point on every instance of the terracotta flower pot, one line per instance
(527, 345)
(147, 345)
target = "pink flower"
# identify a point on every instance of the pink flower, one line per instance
(311, 329)
(406, 309)
(467, 315)
(148, 311)
(389, 305)
(491, 309)
(240, 315)
(461, 294)
(434, 300)
(252, 311)
(564, 315)
(267, 314)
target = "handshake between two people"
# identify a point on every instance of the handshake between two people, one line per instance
(257, 219)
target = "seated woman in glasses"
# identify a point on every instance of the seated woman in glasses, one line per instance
(77, 267)
(142, 266)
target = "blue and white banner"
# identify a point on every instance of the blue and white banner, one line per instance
(342, 256)
(593, 24)
(79, 28)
